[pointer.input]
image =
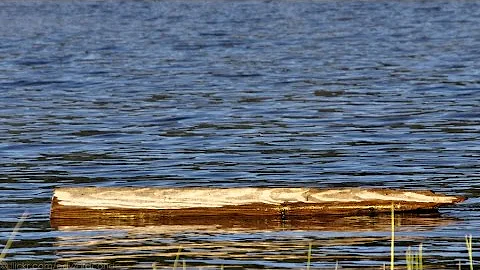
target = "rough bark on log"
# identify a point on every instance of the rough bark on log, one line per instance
(159, 203)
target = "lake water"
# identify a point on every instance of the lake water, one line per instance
(231, 93)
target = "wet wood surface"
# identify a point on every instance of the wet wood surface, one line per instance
(332, 223)
(161, 203)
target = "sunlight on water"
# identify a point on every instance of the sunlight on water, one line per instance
(238, 93)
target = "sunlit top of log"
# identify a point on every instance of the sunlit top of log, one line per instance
(73, 202)
(178, 198)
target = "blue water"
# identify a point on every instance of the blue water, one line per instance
(238, 93)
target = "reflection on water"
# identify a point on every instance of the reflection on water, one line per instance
(244, 223)
(240, 243)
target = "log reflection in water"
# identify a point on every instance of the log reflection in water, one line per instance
(279, 243)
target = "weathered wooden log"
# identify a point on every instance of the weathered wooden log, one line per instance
(161, 203)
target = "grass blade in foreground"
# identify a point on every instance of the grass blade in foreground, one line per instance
(392, 246)
(414, 260)
(12, 236)
(309, 256)
(468, 242)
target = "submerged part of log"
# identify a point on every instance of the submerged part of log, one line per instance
(222, 224)
(158, 203)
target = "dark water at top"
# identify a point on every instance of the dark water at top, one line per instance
(239, 93)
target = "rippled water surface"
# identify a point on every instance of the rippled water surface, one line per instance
(238, 93)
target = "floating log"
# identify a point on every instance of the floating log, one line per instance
(284, 203)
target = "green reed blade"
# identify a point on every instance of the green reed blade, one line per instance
(12, 236)
(309, 255)
(392, 246)
(468, 242)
